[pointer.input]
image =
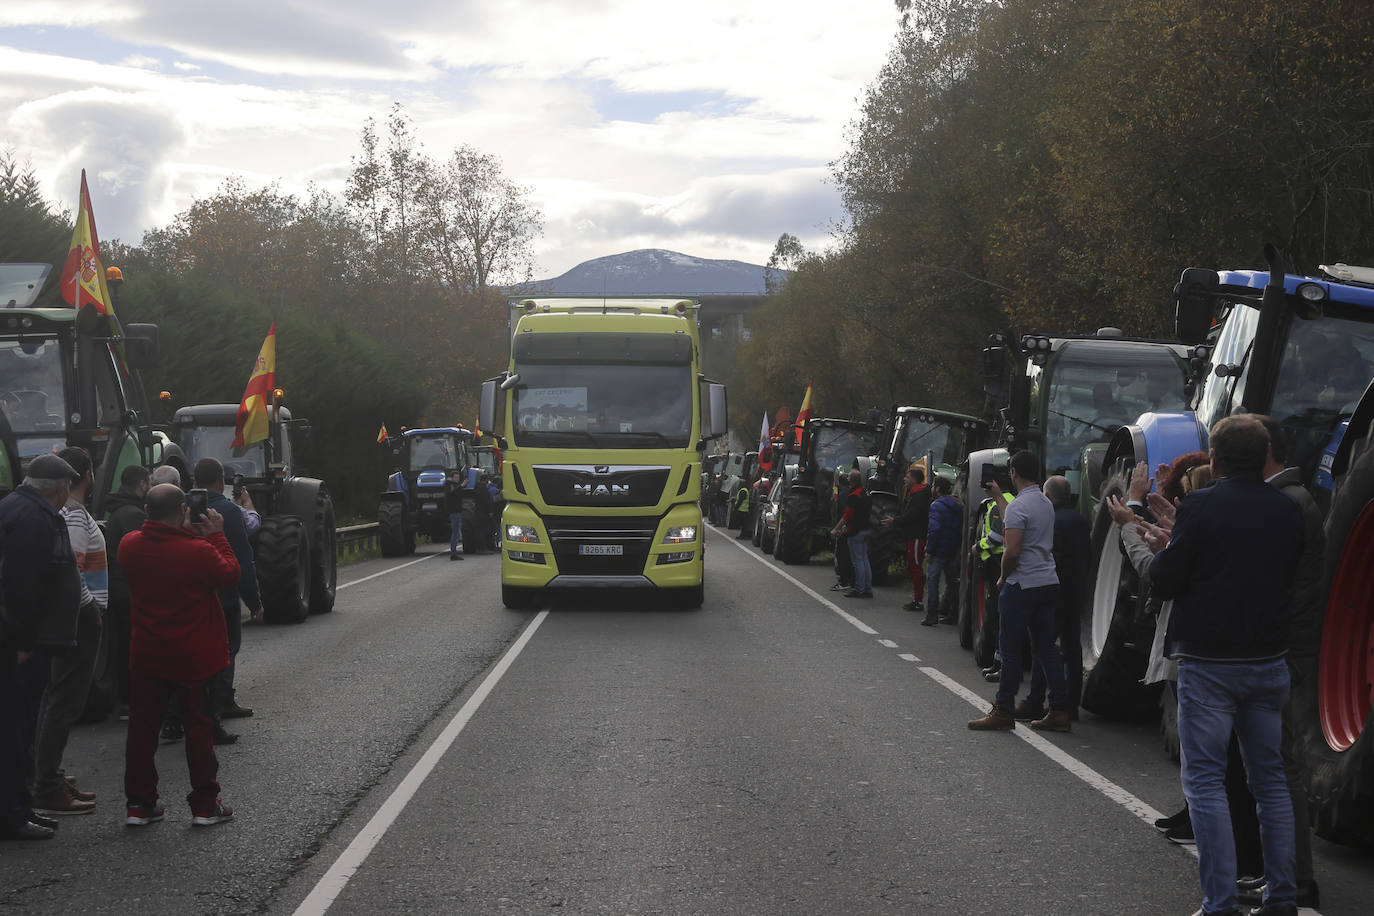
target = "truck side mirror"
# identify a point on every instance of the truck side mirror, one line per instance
(486, 406)
(720, 421)
(1194, 304)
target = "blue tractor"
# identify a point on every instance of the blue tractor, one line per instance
(1300, 349)
(431, 479)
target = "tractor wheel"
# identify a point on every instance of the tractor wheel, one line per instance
(392, 535)
(794, 527)
(324, 556)
(472, 532)
(985, 622)
(1113, 660)
(1331, 694)
(283, 560)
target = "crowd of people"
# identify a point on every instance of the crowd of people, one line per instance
(165, 584)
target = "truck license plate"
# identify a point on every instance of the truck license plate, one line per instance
(601, 550)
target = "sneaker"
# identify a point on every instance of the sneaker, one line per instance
(949, 619)
(171, 732)
(841, 586)
(992, 676)
(912, 606)
(1026, 711)
(218, 815)
(123, 712)
(137, 815)
(997, 720)
(855, 593)
(48, 822)
(1181, 817)
(61, 801)
(1181, 834)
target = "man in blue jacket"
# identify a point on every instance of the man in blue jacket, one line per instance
(1229, 567)
(943, 539)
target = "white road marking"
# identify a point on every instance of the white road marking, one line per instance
(1073, 765)
(352, 858)
(908, 657)
(848, 618)
(384, 572)
(887, 642)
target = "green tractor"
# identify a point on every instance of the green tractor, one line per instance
(807, 508)
(296, 549)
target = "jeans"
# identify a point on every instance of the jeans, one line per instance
(1067, 627)
(64, 699)
(147, 703)
(844, 565)
(1023, 610)
(858, 554)
(21, 690)
(915, 556)
(1213, 699)
(222, 684)
(455, 531)
(948, 567)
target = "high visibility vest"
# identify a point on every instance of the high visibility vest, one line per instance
(742, 500)
(990, 544)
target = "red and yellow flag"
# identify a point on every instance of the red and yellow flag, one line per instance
(83, 276)
(251, 423)
(381, 435)
(804, 414)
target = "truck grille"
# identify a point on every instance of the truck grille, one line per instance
(601, 486)
(633, 534)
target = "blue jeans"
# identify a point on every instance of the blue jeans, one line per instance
(935, 568)
(1213, 699)
(858, 554)
(1022, 610)
(455, 531)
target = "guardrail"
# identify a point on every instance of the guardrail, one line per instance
(356, 538)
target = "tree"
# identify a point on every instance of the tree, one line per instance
(788, 252)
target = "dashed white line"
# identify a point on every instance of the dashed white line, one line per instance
(888, 643)
(351, 859)
(344, 585)
(908, 657)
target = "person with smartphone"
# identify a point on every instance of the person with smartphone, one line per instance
(175, 568)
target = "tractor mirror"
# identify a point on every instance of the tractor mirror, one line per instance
(1194, 304)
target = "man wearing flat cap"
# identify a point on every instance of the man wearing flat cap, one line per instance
(41, 598)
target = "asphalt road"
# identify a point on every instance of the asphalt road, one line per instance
(781, 750)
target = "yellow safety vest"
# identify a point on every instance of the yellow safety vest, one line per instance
(990, 544)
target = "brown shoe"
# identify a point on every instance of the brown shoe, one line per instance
(1026, 711)
(1056, 721)
(997, 720)
(61, 801)
(76, 793)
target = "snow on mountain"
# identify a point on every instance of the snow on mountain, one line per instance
(655, 270)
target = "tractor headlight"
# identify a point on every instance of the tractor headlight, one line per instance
(523, 534)
(683, 534)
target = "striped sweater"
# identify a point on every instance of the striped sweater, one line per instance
(88, 543)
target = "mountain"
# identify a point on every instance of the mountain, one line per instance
(655, 270)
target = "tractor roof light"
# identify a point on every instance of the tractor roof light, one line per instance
(278, 394)
(114, 275)
(1312, 292)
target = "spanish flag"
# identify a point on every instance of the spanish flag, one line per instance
(804, 414)
(83, 276)
(381, 435)
(251, 423)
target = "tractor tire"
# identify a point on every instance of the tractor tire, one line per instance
(518, 599)
(324, 556)
(1168, 720)
(885, 544)
(985, 622)
(1114, 659)
(282, 556)
(392, 535)
(472, 532)
(794, 528)
(1331, 699)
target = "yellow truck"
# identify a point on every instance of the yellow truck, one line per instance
(602, 416)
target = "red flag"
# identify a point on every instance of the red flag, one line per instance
(381, 434)
(804, 414)
(251, 423)
(83, 276)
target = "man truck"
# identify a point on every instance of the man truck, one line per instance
(602, 416)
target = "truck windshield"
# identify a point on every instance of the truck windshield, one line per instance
(433, 452)
(1096, 391)
(623, 405)
(1325, 369)
(216, 442)
(929, 435)
(32, 398)
(837, 447)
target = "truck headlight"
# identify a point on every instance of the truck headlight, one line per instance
(684, 534)
(524, 534)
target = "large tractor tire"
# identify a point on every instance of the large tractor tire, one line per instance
(794, 527)
(324, 556)
(283, 561)
(1331, 694)
(393, 534)
(1115, 647)
(472, 531)
(885, 544)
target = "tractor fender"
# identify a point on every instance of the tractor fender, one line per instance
(396, 483)
(298, 497)
(1155, 438)
(393, 496)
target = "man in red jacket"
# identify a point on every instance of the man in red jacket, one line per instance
(178, 641)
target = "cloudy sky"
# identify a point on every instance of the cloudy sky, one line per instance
(706, 127)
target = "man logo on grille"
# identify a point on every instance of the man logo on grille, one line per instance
(595, 490)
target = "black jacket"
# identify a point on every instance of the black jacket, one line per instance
(1229, 568)
(126, 514)
(41, 583)
(858, 507)
(1073, 555)
(236, 532)
(914, 521)
(1309, 602)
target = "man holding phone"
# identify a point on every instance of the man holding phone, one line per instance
(174, 567)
